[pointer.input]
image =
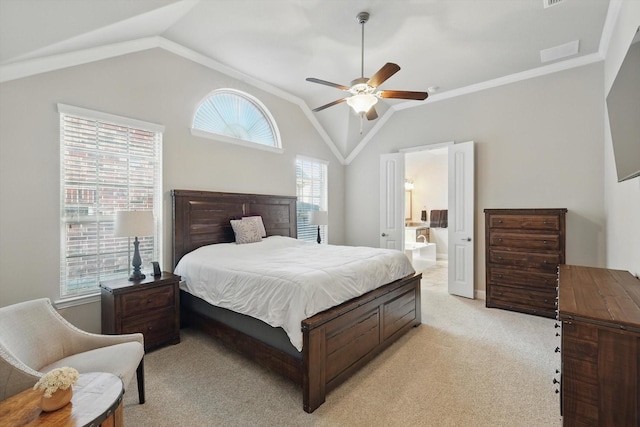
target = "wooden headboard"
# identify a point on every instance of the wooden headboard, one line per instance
(202, 217)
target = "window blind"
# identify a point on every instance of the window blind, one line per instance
(311, 189)
(105, 167)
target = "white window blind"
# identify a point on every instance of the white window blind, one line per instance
(106, 165)
(238, 116)
(311, 189)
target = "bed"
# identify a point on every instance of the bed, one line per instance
(335, 342)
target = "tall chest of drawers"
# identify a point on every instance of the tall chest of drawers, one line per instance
(523, 250)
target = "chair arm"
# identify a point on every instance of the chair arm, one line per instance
(80, 341)
(15, 376)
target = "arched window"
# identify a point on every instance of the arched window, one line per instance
(236, 117)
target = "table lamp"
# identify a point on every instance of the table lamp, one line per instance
(134, 224)
(318, 218)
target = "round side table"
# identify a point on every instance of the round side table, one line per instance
(97, 401)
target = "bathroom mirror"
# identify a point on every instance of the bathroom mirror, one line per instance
(407, 204)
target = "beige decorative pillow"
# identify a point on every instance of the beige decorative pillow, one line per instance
(257, 219)
(245, 231)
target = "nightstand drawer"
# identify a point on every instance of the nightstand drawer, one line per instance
(135, 303)
(156, 328)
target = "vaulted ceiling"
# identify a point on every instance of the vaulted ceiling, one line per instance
(448, 47)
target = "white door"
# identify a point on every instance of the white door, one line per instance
(392, 201)
(461, 215)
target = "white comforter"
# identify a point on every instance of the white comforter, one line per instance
(283, 281)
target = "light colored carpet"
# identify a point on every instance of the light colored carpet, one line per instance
(466, 365)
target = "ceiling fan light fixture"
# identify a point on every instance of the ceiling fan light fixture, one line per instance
(362, 103)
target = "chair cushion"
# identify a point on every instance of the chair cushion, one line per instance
(119, 359)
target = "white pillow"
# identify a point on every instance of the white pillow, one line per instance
(259, 223)
(245, 231)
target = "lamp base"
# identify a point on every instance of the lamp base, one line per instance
(319, 239)
(137, 276)
(137, 262)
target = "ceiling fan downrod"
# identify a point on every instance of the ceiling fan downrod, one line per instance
(362, 18)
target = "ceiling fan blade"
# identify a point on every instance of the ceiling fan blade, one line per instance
(387, 70)
(403, 94)
(326, 83)
(331, 104)
(372, 114)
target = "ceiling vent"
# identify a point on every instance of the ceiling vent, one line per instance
(549, 3)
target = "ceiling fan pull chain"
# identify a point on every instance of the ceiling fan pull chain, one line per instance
(361, 120)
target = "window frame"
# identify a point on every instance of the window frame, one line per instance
(106, 220)
(310, 232)
(258, 105)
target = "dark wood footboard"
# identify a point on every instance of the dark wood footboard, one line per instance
(339, 341)
(336, 342)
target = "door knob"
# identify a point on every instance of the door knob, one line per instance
(384, 234)
(467, 239)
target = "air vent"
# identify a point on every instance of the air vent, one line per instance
(549, 3)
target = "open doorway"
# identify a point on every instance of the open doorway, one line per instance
(460, 183)
(426, 209)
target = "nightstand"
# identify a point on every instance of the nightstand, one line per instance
(150, 306)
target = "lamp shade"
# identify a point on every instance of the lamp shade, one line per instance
(319, 218)
(362, 103)
(134, 223)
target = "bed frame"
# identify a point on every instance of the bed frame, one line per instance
(336, 342)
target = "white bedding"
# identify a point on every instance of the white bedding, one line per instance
(283, 281)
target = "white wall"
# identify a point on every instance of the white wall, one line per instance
(154, 86)
(622, 200)
(538, 145)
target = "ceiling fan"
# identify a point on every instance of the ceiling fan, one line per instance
(364, 91)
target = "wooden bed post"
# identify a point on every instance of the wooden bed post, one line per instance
(314, 365)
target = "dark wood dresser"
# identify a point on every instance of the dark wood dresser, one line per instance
(600, 374)
(150, 306)
(523, 250)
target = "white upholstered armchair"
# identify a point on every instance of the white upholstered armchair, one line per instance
(35, 338)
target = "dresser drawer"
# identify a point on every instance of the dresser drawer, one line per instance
(156, 327)
(506, 276)
(525, 259)
(580, 331)
(522, 297)
(142, 301)
(525, 222)
(526, 241)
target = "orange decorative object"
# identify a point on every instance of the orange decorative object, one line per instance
(57, 400)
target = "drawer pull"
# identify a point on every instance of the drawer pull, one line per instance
(499, 257)
(500, 276)
(150, 328)
(544, 242)
(499, 240)
(149, 301)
